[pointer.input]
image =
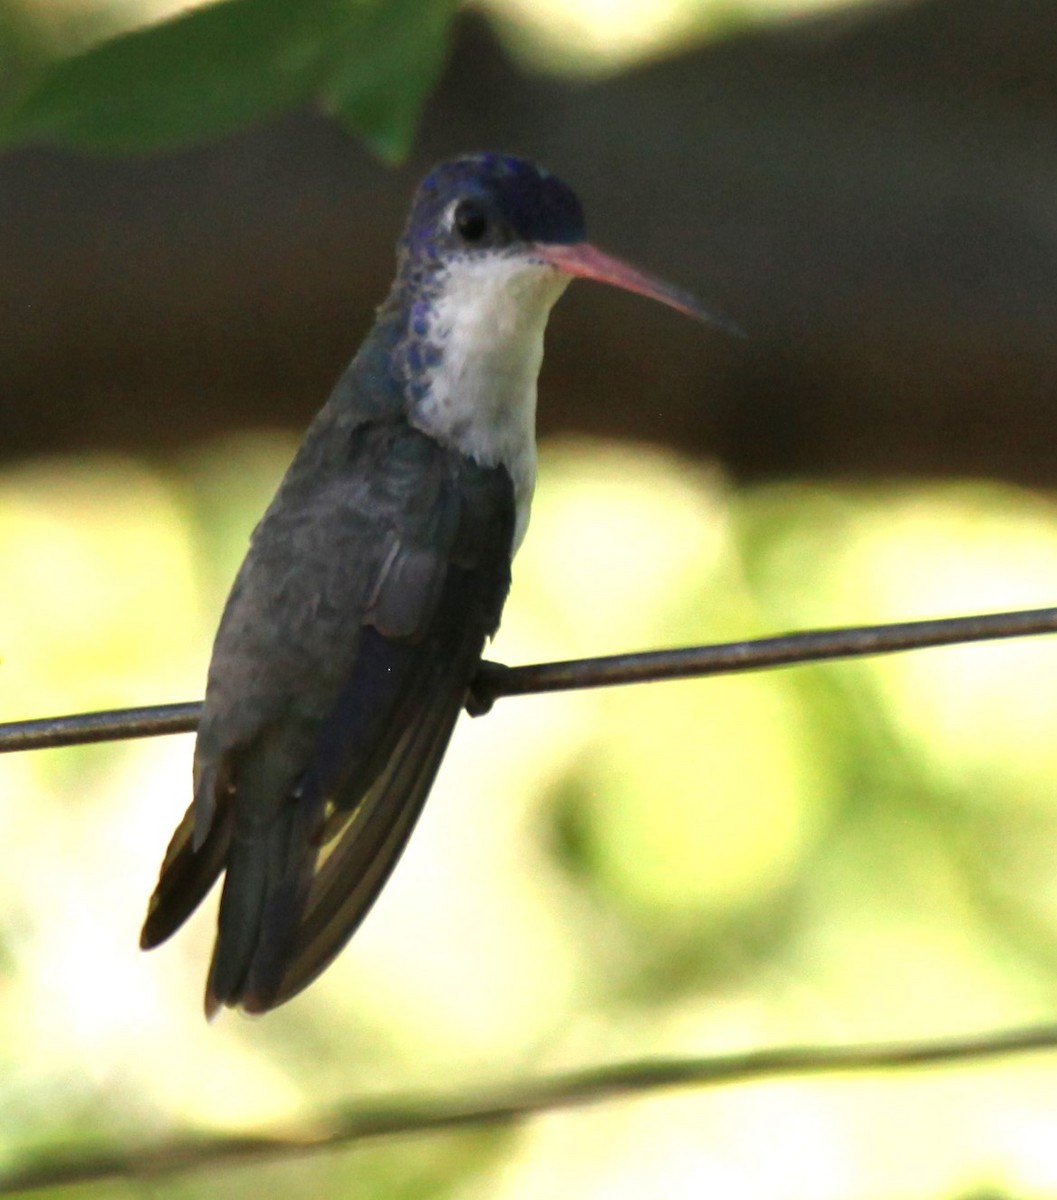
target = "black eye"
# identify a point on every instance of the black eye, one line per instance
(470, 221)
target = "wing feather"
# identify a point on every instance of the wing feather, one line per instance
(354, 869)
(187, 874)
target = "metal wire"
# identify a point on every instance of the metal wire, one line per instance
(495, 681)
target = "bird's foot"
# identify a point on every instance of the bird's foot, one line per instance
(485, 688)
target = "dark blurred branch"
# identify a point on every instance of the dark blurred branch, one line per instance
(358, 1123)
(495, 680)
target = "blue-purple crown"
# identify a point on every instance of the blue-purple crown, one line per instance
(532, 204)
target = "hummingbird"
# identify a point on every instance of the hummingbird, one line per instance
(355, 626)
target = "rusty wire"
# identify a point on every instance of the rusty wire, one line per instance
(495, 681)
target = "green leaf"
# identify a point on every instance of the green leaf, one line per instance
(217, 69)
(381, 84)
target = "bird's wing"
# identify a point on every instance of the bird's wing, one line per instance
(366, 827)
(339, 669)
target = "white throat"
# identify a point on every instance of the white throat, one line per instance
(481, 397)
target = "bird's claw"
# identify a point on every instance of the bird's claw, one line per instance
(484, 688)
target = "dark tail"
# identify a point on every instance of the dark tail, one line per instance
(186, 875)
(270, 865)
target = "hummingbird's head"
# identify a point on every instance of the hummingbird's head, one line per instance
(491, 243)
(494, 207)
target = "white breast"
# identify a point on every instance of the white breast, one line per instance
(481, 397)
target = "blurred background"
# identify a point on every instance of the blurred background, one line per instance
(851, 852)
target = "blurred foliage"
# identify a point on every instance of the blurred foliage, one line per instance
(131, 76)
(220, 67)
(845, 852)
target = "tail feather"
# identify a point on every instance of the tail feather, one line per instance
(269, 869)
(187, 874)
